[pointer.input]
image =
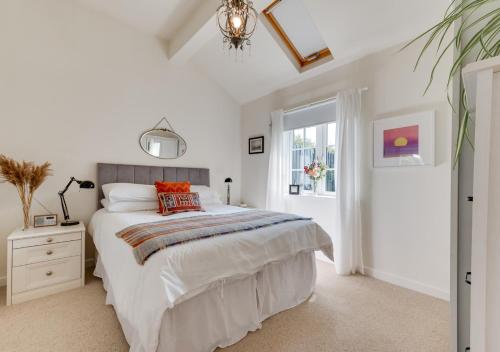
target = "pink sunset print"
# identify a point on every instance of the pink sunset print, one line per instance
(401, 141)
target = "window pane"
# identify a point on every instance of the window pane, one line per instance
(310, 140)
(309, 155)
(332, 127)
(307, 183)
(330, 181)
(330, 157)
(297, 160)
(297, 177)
(298, 138)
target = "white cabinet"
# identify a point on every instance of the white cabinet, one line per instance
(44, 261)
(482, 83)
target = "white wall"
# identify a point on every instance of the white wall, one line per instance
(77, 88)
(406, 210)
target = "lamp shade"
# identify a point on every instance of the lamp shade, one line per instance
(87, 184)
(228, 180)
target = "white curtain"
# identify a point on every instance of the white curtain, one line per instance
(278, 177)
(347, 237)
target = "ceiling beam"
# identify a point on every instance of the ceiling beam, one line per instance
(200, 28)
(194, 33)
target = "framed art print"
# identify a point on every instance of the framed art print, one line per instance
(406, 140)
(294, 189)
(256, 145)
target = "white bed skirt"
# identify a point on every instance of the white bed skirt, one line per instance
(229, 309)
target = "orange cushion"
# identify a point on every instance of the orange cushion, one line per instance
(171, 187)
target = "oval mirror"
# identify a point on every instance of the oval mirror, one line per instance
(163, 144)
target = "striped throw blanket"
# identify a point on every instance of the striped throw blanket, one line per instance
(149, 238)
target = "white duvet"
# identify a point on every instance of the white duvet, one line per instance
(141, 294)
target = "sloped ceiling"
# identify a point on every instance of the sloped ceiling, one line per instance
(160, 18)
(351, 30)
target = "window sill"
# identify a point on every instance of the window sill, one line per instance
(325, 196)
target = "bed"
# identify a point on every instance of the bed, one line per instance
(200, 295)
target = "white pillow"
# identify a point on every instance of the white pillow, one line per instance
(129, 192)
(207, 196)
(117, 207)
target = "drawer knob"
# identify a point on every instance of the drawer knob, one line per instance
(49, 240)
(48, 273)
(49, 252)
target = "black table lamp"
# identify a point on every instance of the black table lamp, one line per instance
(83, 184)
(228, 180)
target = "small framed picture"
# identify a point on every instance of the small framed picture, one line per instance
(256, 145)
(294, 189)
(406, 140)
(45, 220)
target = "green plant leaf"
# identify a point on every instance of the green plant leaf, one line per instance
(483, 32)
(481, 55)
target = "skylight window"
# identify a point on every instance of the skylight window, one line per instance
(296, 33)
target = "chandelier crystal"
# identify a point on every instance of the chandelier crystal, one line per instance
(237, 20)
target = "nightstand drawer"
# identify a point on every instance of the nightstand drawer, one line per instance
(33, 276)
(37, 254)
(37, 241)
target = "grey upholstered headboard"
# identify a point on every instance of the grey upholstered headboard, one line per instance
(147, 175)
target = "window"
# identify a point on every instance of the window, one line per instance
(308, 144)
(330, 150)
(296, 33)
(303, 153)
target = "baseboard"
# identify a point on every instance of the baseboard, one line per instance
(377, 274)
(409, 284)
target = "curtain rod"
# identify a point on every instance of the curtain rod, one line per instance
(314, 103)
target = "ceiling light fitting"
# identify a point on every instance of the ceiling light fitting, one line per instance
(237, 20)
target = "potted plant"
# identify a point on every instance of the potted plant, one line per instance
(316, 171)
(473, 19)
(26, 177)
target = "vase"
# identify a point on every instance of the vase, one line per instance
(315, 187)
(26, 214)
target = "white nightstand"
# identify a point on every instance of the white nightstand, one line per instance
(43, 261)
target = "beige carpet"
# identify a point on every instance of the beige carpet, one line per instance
(345, 314)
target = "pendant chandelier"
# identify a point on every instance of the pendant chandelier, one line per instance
(236, 20)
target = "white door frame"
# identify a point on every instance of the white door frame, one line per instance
(478, 79)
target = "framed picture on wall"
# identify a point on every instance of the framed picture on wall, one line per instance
(294, 189)
(256, 145)
(406, 140)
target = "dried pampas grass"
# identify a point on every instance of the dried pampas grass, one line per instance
(26, 177)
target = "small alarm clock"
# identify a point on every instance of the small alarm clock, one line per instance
(45, 220)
